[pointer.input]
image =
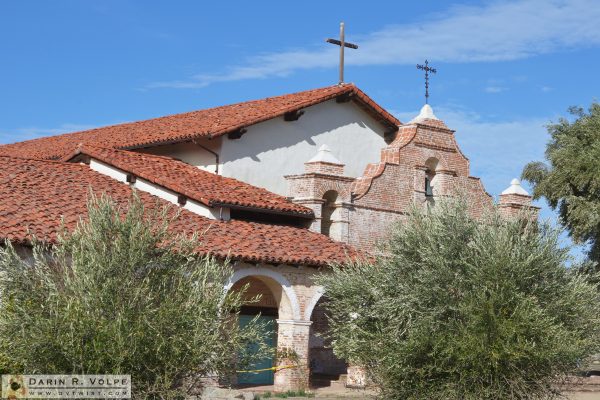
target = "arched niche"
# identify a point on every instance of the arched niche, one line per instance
(324, 365)
(431, 167)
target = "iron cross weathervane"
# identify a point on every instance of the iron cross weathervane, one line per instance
(342, 43)
(427, 70)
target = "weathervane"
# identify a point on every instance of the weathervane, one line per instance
(427, 70)
(342, 43)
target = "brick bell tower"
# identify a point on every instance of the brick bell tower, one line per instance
(324, 189)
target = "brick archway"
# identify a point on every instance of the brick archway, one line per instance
(289, 307)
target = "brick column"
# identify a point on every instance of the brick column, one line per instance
(339, 222)
(317, 206)
(292, 340)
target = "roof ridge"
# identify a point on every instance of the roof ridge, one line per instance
(204, 123)
(209, 188)
(166, 158)
(41, 160)
(179, 114)
(130, 152)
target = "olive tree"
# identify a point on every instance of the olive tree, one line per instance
(121, 295)
(570, 178)
(463, 308)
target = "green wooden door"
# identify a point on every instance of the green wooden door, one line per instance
(264, 377)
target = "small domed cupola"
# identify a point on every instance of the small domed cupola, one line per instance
(426, 113)
(516, 188)
(324, 162)
(514, 199)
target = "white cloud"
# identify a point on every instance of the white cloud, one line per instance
(495, 89)
(497, 31)
(20, 134)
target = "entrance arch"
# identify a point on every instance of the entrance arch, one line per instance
(261, 301)
(280, 308)
(288, 305)
(325, 367)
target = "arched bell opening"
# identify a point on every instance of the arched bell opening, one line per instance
(431, 180)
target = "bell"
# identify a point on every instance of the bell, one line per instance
(428, 188)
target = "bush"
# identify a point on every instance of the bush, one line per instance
(459, 308)
(121, 295)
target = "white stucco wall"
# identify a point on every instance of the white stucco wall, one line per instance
(108, 170)
(190, 153)
(160, 191)
(274, 148)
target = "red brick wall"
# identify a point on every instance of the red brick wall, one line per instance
(387, 189)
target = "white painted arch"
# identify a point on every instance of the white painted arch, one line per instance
(277, 277)
(313, 302)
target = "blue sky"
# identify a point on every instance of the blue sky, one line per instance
(505, 68)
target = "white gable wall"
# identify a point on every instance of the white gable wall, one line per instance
(271, 149)
(274, 148)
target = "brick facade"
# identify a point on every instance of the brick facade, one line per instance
(367, 206)
(360, 211)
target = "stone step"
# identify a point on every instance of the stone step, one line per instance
(337, 385)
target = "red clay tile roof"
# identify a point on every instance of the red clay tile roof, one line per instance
(209, 123)
(37, 196)
(203, 186)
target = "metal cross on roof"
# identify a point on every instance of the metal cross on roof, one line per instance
(427, 70)
(342, 43)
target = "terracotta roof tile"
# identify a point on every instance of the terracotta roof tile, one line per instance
(203, 186)
(209, 123)
(37, 197)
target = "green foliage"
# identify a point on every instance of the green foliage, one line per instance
(121, 295)
(570, 180)
(459, 308)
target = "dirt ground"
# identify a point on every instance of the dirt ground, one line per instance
(575, 389)
(330, 396)
(356, 395)
(584, 396)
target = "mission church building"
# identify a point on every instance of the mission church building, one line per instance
(285, 186)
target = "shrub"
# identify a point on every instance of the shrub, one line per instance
(459, 308)
(121, 295)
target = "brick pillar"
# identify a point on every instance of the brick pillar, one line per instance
(444, 185)
(340, 220)
(317, 206)
(292, 349)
